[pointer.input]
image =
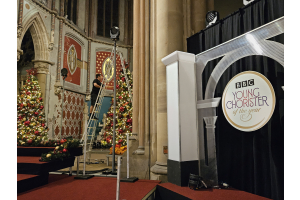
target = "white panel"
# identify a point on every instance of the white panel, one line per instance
(188, 115)
(173, 112)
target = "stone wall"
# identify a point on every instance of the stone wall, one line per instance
(53, 36)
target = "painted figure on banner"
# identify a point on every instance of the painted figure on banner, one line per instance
(72, 58)
(108, 69)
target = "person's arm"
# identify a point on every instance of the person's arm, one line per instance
(96, 85)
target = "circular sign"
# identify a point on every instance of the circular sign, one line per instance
(248, 101)
(108, 69)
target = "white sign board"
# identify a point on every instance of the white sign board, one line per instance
(248, 101)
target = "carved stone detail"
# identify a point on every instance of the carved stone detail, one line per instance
(42, 66)
(51, 45)
(88, 97)
(19, 53)
(19, 31)
(57, 88)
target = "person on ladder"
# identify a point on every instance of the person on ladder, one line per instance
(96, 88)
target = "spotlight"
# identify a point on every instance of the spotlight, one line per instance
(196, 182)
(247, 1)
(211, 17)
(64, 72)
(114, 33)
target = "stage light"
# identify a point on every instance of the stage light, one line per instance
(211, 18)
(196, 182)
(64, 72)
(114, 33)
(246, 2)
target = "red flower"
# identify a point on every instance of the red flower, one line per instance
(41, 107)
(36, 132)
(36, 113)
(123, 79)
(65, 150)
(28, 93)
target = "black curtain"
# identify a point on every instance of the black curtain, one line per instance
(249, 161)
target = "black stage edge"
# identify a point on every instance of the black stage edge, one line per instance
(33, 151)
(130, 179)
(30, 183)
(85, 177)
(179, 172)
(162, 193)
(40, 168)
(109, 171)
(38, 151)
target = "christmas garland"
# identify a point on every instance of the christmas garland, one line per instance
(61, 150)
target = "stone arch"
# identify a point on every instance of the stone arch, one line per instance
(40, 38)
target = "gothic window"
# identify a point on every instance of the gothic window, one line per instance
(108, 16)
(71, 10)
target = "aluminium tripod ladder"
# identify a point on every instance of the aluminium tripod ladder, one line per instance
(92, 123)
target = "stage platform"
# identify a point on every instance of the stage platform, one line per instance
(167, 191)
(66, 187)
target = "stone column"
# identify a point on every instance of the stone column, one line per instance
(20, 19)
(58, 85)
(51, 44)
(141, 129)
(147, 74)
(169, 35)
(153, 104)
(135, 103)
(88, 94)
(199, 10)
(42, 67)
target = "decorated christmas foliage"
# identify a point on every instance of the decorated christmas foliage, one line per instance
(31, 129)
(61, 151)
(123, 114)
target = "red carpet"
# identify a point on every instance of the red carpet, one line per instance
(29, 159)
(212, 194)
(66, 187)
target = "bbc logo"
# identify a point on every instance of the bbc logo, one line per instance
(244, 83)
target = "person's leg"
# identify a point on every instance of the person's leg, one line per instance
(93, 101)
(91, 109)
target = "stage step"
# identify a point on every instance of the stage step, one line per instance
(32, 173)
(29, 181)
(32, 165)
(38, 151)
